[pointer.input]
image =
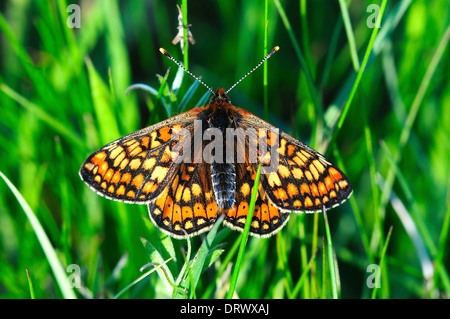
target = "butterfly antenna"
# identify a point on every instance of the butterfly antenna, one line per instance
(274, 50)
(167, 54)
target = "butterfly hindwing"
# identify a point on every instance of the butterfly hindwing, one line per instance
(267, 219)
(187, 206)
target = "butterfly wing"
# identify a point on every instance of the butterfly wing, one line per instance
(137, 168)
(187, 206)
(303, 179)
(267, 219)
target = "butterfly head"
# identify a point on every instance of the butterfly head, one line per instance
(220, 97)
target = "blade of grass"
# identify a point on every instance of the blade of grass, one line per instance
(357, 80)
(382, 257)
(184, 8)
(350, 35)
(245, 234)
(30, 285)
(49, 251)
(333, 274)
(265, 76)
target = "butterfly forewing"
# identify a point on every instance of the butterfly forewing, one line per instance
(303, 180)
(137, 168)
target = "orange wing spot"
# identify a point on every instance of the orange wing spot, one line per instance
(154, 142)
(159, 173)
(333, 172)
(119, 158)
(262, 133)
(309, 176)
(307, 155)
(168, 208)
(243, 209)
(191, 168)
(164, 134)
(291, 150)
(135, 152)
(292, 190)
(144, 141)
(98, 178)
(143, 154)
(167, 155)
(176, 214)
(273, 139)
(124, 164)
(273, 211)
(281, 194)
(196, 190)
(298, 174)
(299, 161)
(304, 188)
(98, 158)
(208, 196)
(343, 183)
(188, 225)
(103, 185)
(137, 181)
(201, 221)
(116, 178)
(319, 166)
(103, 168)
(333, 194)
(255, 224)
(176, 128)
(185, 177)
(266, 159)
(157, 211)
(186, 212)
(175, 183)
(314, 190)
(149, 187)
(111, 189)
(314, 171)
(325, 199)
(297, 203)
(284, 171)
(282, 148)
(187, 195)
(329, 183)
(199, 210)
(132, 146)
(89, 166)
(179, 193)
(130, 142)
(121, 190)
(211, 210)
(318, 203)
(115, 152)
(149, 163)
(95, 170)
(245, 189)
(135, 163)
(302, 157)
(322, 189)
(161, 199)
(126, 178)
(308, 202)
(109, 174)
(273, 179)
(264, 213)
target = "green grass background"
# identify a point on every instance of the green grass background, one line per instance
(62, 96)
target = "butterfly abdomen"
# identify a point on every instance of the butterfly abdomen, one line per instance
(224, 184)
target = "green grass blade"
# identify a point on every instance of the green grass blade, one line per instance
(382, 259)
(350, 35)
(49, 251)
(358, 78)
(331, 259)
(30, 285)
(245, 234)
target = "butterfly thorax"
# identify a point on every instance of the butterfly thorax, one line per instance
(220, 114)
